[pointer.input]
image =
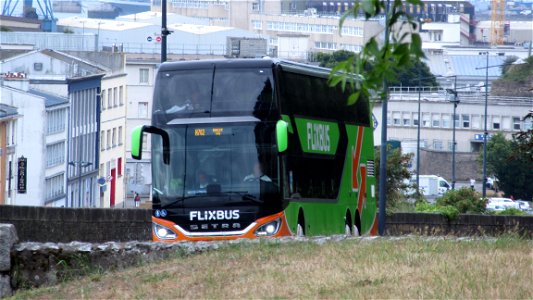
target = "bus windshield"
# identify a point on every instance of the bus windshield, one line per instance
(204, 92)
(216, 165)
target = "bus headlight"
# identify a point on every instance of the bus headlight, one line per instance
(163, 232)
(269, 228)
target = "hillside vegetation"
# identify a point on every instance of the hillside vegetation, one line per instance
(517, 79)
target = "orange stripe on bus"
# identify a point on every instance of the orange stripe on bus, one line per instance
(357, 157)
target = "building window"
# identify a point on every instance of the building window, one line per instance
(55, 187)
(143, 110)
(115, 97)
(450, 145)
(257, 24)
(496, 123)
(119, 166)
(120, 136)
(415, 121)
(406, 119)
(445, 121)
(56, 121)
(102, 140)
(121, 95)
(396, 119)
(437, 144)
(145, 141)
(476, 121)
(114, 137)
(466, 121)
(143, 75)
(102, 99)
(516, 123)
(37, 66)
(109, 98)
(55, 154)
(435, 121)
(425, 120)
(109, 139)
(457, 120)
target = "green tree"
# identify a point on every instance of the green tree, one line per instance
(512, 167)
(406, 75)
(397, 174)
(379, 61)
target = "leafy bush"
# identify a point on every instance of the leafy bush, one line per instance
(450, 212)
(465, 200)
(510, 212)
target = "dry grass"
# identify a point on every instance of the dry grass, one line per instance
(381, 268)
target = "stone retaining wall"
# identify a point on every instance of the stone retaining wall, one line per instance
(63, 225)
(464, 225)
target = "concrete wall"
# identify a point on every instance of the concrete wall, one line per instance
(440, 163)
(464, 225)
(50, 224)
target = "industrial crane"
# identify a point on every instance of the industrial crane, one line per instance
(497, 22)
(28, 11)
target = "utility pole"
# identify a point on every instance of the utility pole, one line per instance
(383, 151)
(164, 31)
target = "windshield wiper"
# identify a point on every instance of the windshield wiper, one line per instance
(245, 196)
(180, 200)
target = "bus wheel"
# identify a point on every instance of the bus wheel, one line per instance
(357, 226)
(348, 229)
(300, 227)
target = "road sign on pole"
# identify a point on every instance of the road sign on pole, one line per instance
(158, 39)
(149, 39)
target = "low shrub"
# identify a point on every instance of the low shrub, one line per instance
(465, 200)
(510, 212)
(449, 211)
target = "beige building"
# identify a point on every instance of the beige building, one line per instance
(8, 117)
(140, 82)
(269, 19)
(112, 139)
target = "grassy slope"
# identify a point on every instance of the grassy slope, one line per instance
(356, 268)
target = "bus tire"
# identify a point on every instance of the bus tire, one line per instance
(348, 227)
(300, 227)
(357, 226)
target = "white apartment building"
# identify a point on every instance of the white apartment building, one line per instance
(141, 77)
(64, 76)
(37, 143)
(113, 105)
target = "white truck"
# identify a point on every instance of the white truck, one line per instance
(431, 185)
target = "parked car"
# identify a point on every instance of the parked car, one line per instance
(525, 206)
(499, 204)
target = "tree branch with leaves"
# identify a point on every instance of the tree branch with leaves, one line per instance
(367, 70)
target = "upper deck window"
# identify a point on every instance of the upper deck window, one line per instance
(206, 92)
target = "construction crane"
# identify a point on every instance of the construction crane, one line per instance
(497, 22)
(28, 11)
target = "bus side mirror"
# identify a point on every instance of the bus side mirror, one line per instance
(137, 141)
(282, 135)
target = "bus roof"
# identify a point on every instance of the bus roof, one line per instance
(247, 63)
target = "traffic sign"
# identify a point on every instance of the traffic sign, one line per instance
(158, 39)
(149, 39)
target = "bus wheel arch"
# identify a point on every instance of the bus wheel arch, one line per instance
(300, 225)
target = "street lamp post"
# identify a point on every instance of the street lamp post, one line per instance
(485, 132)
(455, 101)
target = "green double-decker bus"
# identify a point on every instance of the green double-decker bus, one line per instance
(257, 148)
